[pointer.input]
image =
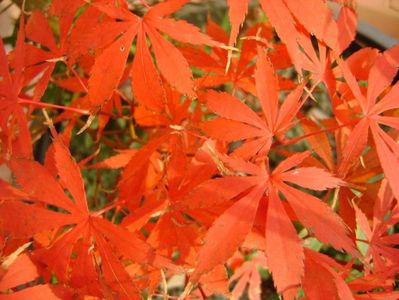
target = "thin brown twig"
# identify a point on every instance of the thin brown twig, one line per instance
(67, 108)
(300, 138)
(204, 296)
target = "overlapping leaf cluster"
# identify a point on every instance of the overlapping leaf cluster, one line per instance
(267, 149)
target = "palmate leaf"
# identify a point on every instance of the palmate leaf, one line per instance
(387, 148)
(13, 140)
(170, 126)
(170, 195)
(318, 19)
(170, 62)
(174, 231)
(236, 222)
(381, 253)
(39, 61)
(295, 28)
(287, 16)
(257, 133)
(97, 233)
(353, 173)
(240, 71)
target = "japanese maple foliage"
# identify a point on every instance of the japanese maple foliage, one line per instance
(259, 157)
